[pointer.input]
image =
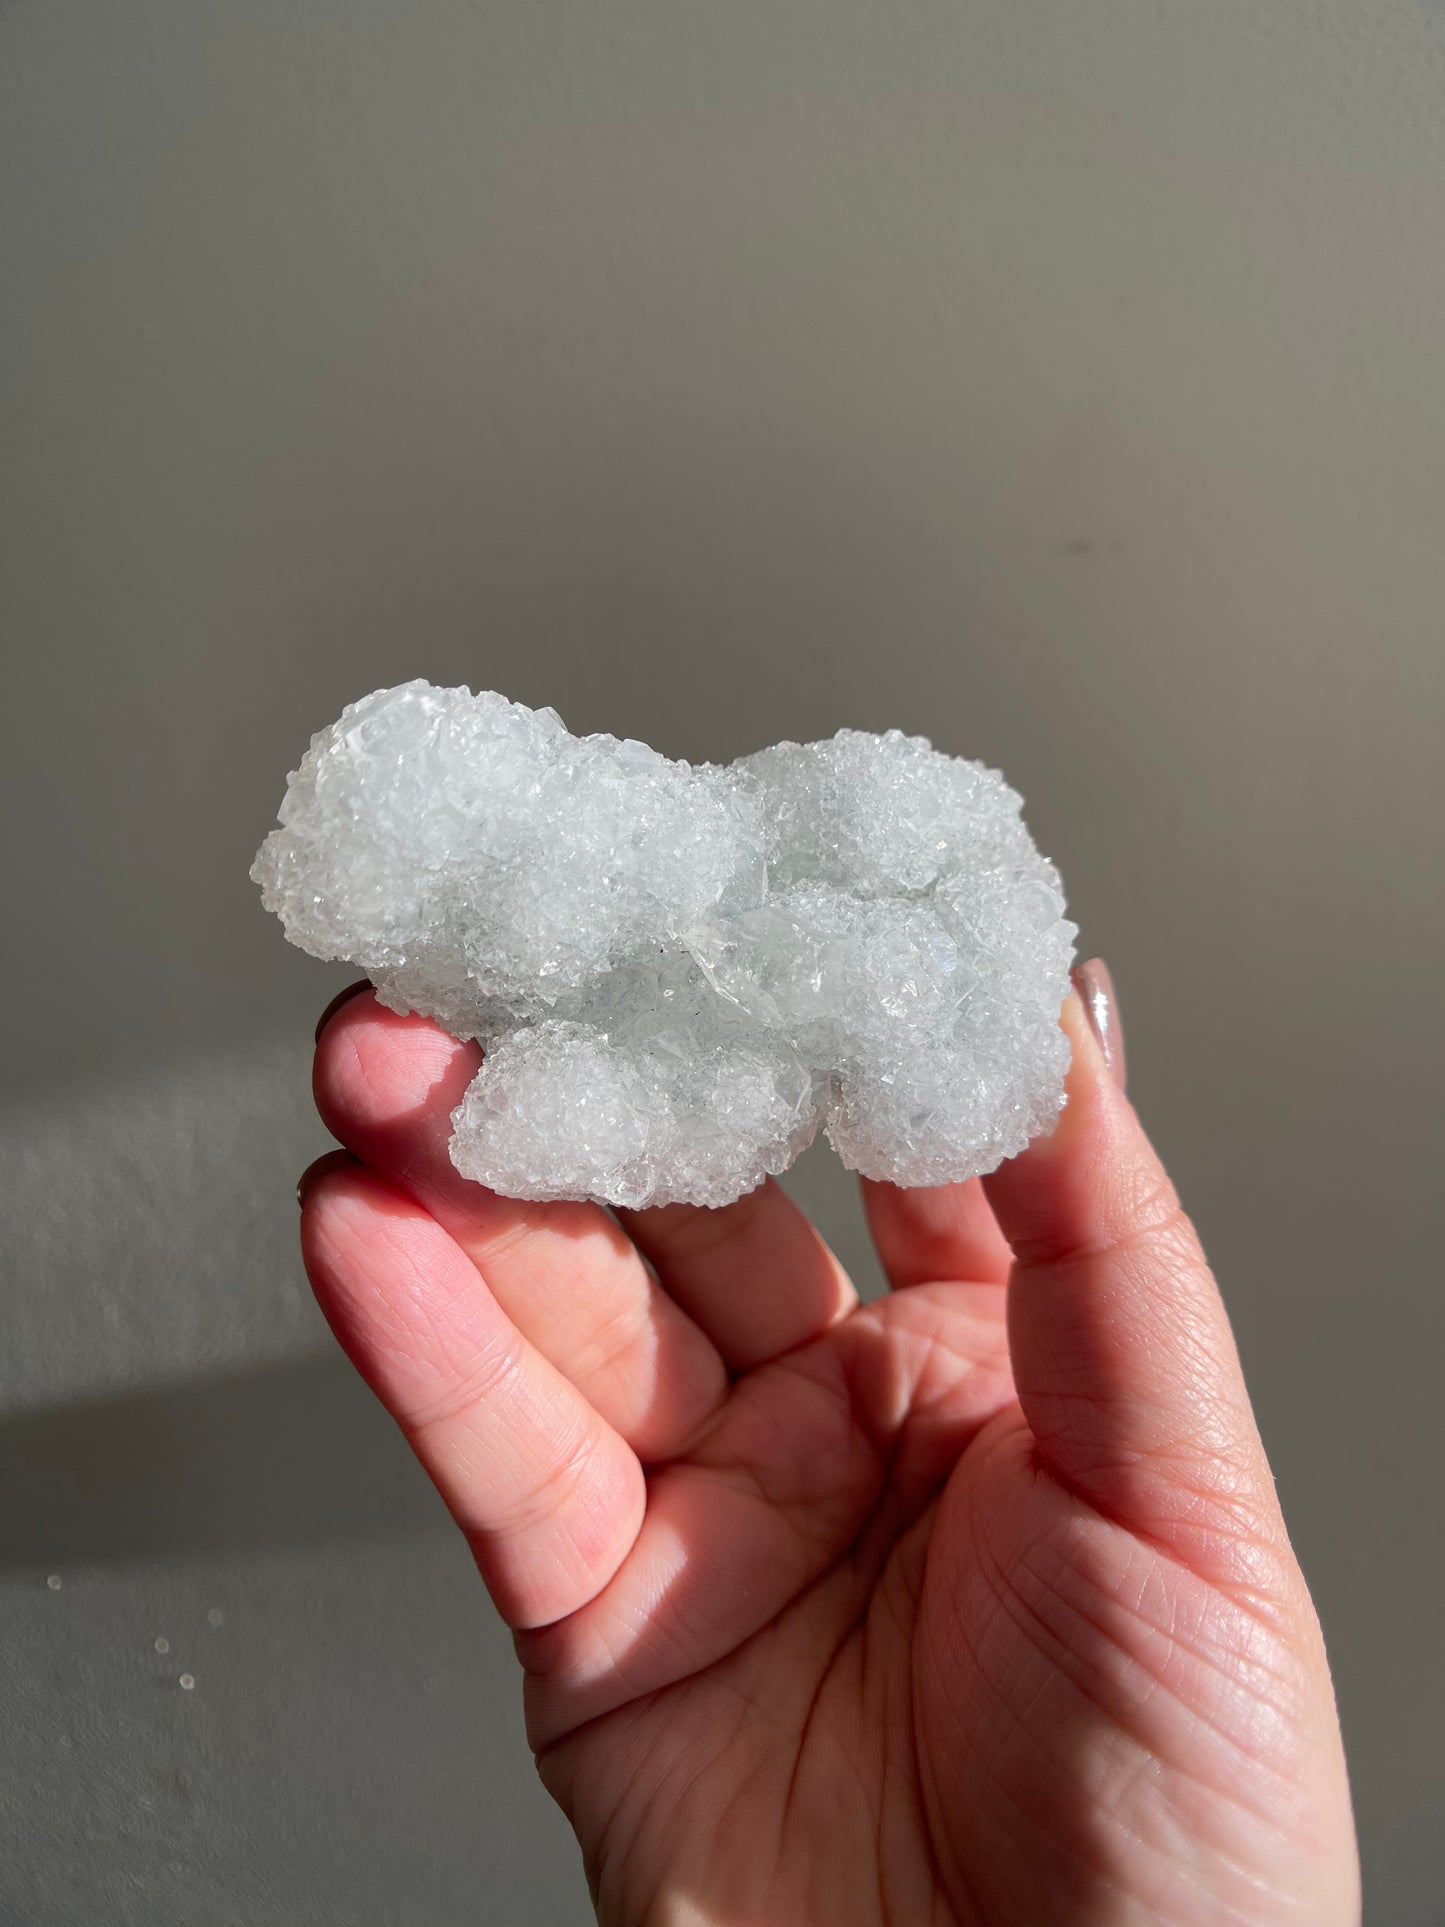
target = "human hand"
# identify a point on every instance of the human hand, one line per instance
(970, 1605)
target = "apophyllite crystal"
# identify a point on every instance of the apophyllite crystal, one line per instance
(679, 974)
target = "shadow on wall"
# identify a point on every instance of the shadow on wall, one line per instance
(281, 1456)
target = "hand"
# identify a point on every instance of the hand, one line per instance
(970, 1605)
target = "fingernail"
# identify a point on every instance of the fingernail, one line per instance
(328, 1161)
(1096, 993)
(341, 997)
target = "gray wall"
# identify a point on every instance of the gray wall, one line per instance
(1064, 381)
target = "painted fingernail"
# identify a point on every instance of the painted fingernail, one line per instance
(328, 1161)
(1096, 993)
(341, 997)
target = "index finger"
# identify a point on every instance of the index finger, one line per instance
(565, 1274)
(549, 1496)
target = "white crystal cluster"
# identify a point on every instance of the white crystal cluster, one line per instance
(679, 974)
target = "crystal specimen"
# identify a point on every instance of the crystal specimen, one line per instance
(678, 974)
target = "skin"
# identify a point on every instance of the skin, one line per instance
(971, 1605)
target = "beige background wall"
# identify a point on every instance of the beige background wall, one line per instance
(1063, 380)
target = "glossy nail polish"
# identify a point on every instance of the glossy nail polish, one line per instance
(337, 1160)
(1096, 993)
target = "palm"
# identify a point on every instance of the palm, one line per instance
(817, 1624)
(817, 1750)
(779, 1736)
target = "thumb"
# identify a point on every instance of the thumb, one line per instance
(1123, 1359)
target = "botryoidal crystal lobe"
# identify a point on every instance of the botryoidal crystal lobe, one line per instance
(679, 974)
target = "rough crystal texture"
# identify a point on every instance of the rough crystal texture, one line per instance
(679, 974)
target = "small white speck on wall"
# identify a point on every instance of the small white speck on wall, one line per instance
(163, 1645)
(187, 1682)
(54, 1582)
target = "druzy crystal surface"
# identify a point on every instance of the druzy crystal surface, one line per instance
(679, 974)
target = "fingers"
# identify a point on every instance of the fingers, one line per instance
(548, 1494)
(564, 1274)
(754, 1275)
(1123, 1357)
(770, 1499)
(935, 1232)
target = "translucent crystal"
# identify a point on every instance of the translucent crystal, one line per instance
(679, 974)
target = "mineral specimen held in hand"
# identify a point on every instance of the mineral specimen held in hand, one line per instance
(678, 974)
